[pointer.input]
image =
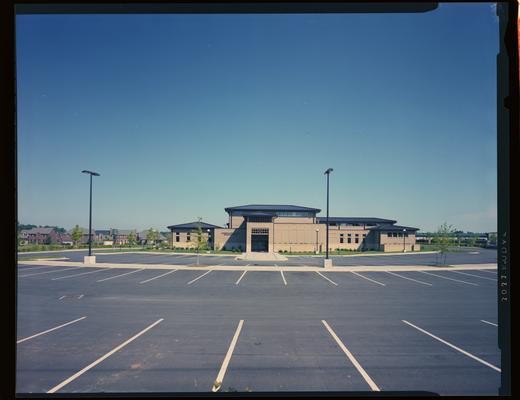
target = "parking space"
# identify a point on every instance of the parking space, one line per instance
(301, 331)
(405, 359)
(289, 356)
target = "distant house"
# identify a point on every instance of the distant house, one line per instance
(41, 236)
(65, 238)
(23, 238)
(120, 236)
(142, 238)
(104, 236)
(84, 236)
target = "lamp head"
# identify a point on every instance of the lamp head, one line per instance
(90, 172)
(328, 171)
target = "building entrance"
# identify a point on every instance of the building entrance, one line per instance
(260, 239)
(260, 243)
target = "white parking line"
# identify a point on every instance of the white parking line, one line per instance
(283, 277)
(220, 377)
(352, 359)
(489, 272)
(241, 276)
(410, 279)
(487, 322)
(117, 276)
(30, 268)
(453, 346)
(47, 272)
(77, 374)
(476, 276)
(50, 330)
(368, 279)
(156, 277)
(324, 277)
(61, 298)
(444, 277)
(83, 273)
(197, 278)
(80, 296)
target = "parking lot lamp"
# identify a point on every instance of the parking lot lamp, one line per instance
(90, 212)
(209, 233)
(327, 172)
(404, 240)
(317, 232)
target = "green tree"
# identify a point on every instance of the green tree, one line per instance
(132, 238)
(443, 238)
(492, 239)
(151, 236)
(471, 241)
(201, 240)
(76, 234)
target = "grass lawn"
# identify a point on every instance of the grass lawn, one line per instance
(34, 258)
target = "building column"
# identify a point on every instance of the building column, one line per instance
(248, 238)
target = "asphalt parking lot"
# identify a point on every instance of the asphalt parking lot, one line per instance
(88, 329)
(481, 256)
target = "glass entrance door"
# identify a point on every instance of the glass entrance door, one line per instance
(260, 243)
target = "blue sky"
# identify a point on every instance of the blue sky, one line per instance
(183, 115)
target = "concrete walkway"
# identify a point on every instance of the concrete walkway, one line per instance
(360, 268)
(257, 256)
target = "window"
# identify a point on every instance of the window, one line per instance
(188, 237)
(356, 240)
(260, 219)
(177, 237)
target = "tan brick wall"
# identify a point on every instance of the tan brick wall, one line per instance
(230, 238)
(284, 236)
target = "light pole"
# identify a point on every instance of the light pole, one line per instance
(90, 212)
(327, 172)
(209, 233)
(404, 240)
(317, 248)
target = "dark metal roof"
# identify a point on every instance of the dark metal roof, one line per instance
(356, 220)
(271, 207)
(193, 225)
(387, 228)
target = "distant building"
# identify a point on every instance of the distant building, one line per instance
(275, 228)
(183, 235)
(120, 236)
(41, 236)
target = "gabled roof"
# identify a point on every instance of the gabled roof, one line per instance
(193, 225)
(356, 220)
(123, 231)
(271, 207)
(40, 231)
(392, 228)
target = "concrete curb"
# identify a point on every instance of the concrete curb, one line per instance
(361, 268)
(410, 253)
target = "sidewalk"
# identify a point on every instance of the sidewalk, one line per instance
(359, 268)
